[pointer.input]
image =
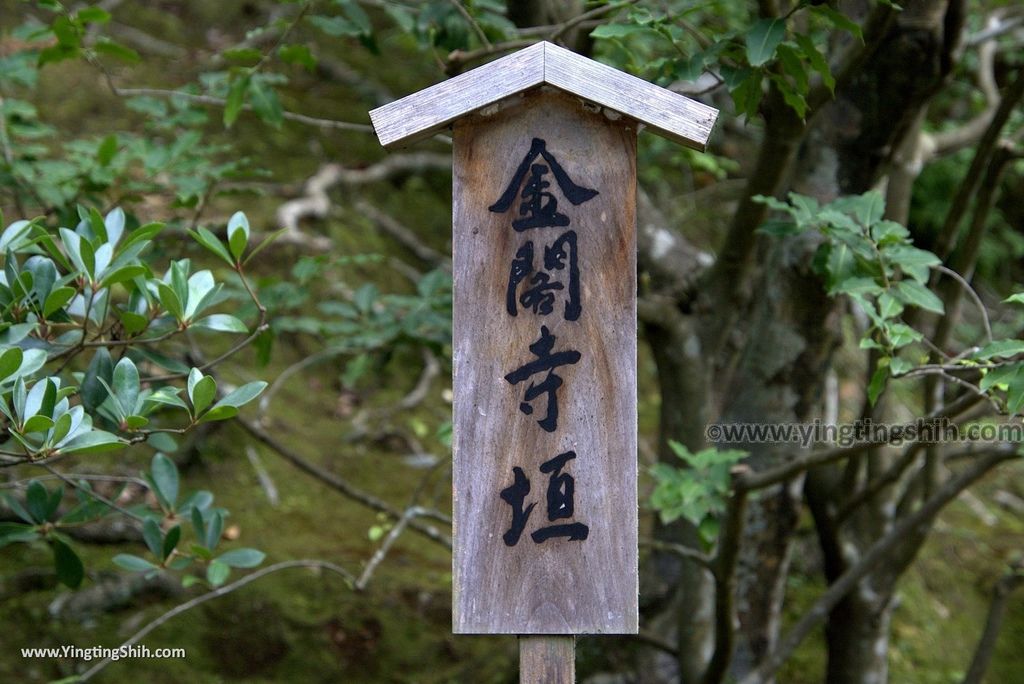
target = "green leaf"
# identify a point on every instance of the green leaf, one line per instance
(171, 540)
(168, 396)
(242, 558)
(214, 528)
(297, 54)
(607, 31)
(335, 26)
(141, 234)
(126, 385)
(236, 99)
(840, 20)
(265, 103)
(221, 323)
(170, 301)
(93, 442)
(243, 395)
(816, 60)
(212, 243)
(1015, 394)
(165, 477)
(998, 376)
(16, 532)
(217, 573)
(57, 300)
(1001, 349)
(106, 150)
(878, 380)
(10, 361)
(202, 394)
(37, 500)
(356, 15)
(238, 234)
(133, 563)
(1015, 299)
(37, 423)
(93, 392)
(914, 293)
(108, 47)
(198, 524)
(763, 38)
(218, 413)
(68, 565)
(242, 54)
(93, 15)
(154, 537)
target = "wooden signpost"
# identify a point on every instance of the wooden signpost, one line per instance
(544, 242)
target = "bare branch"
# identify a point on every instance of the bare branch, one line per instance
(389, 541)
(725, 576)
(875, 555)
(344, 487)
(477, 29)
(1006, 585)
(217, 593)
(680, 550)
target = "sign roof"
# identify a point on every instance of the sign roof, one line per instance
(423, 113)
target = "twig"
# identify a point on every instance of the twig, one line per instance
(680, 550)
(217, 593)
(389, 541)
(785, 471)
(345, 488)
(477, 29)
(973, 295)
(220, 102)
(262, 475)
(406, 237)
(586, 16)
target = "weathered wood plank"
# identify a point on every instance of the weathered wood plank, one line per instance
(547, 660)
(668, 114)
(558, 585)
(422, 114)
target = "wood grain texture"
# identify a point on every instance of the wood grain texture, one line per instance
(424, 113)
(420, 115)
(668, 114)
(557, 586)
(547, 660)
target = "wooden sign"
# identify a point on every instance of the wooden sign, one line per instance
(544, 242)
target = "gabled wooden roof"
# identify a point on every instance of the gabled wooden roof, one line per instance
(422, 114)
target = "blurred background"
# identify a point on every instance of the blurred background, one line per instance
(226, 339)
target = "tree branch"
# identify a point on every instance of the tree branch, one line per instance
(1006, 585)
(346, 488)
(871, 559)
(217, 593)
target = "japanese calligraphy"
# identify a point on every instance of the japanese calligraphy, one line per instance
(539, 208)
(560, 504)
(539, 295)
(546, 361)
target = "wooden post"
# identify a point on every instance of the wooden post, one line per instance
(547, 660)
(544, 269)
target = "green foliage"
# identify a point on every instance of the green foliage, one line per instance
(697, 492)
(166, 532)
(872, 261)
(67, 294)
(748, 56)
